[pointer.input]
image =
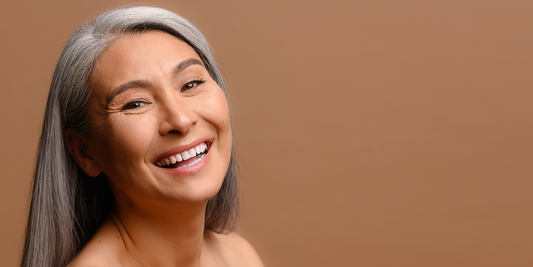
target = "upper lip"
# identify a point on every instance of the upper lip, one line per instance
(180, 149)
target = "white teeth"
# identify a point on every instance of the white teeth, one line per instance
(193, 152)
(194, 162)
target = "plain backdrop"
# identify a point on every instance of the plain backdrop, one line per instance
(369, 133)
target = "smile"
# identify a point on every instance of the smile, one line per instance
(186, 158)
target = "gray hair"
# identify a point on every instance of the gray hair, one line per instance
(66, 207)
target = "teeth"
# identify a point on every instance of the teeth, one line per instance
(194, 162)
(193, 152)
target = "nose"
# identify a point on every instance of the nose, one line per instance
(178, 115)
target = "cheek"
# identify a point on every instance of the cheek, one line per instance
(220, 116)
(123, 140)
(224, 126)
(215, 111)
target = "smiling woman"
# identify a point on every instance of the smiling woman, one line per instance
(135, 163)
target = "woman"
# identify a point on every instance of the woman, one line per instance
(135, 164)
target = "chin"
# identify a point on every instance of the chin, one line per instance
(199, 191)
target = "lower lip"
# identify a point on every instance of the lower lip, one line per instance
(196, 167)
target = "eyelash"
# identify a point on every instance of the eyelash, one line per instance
(134, 104)
(139, 103)
(197, 82)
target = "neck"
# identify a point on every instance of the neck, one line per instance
(162, 234)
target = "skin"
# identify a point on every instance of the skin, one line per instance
(159, 214)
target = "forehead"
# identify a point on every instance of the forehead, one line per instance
(142, 56)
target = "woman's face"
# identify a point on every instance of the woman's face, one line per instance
(160, 125)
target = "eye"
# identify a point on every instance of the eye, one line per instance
(134, 104)
(190, 85)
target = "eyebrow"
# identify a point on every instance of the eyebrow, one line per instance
(144, 84)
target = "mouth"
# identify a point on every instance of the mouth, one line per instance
(184, 159)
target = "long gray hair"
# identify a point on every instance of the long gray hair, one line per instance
(67, 206)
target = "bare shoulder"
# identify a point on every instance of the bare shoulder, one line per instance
(236, 250)
(101, 250)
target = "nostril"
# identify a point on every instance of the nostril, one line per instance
(177, 121)
(174, 132)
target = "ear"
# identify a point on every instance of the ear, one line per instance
(81, 154)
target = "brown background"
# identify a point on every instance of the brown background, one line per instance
(369, 133)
